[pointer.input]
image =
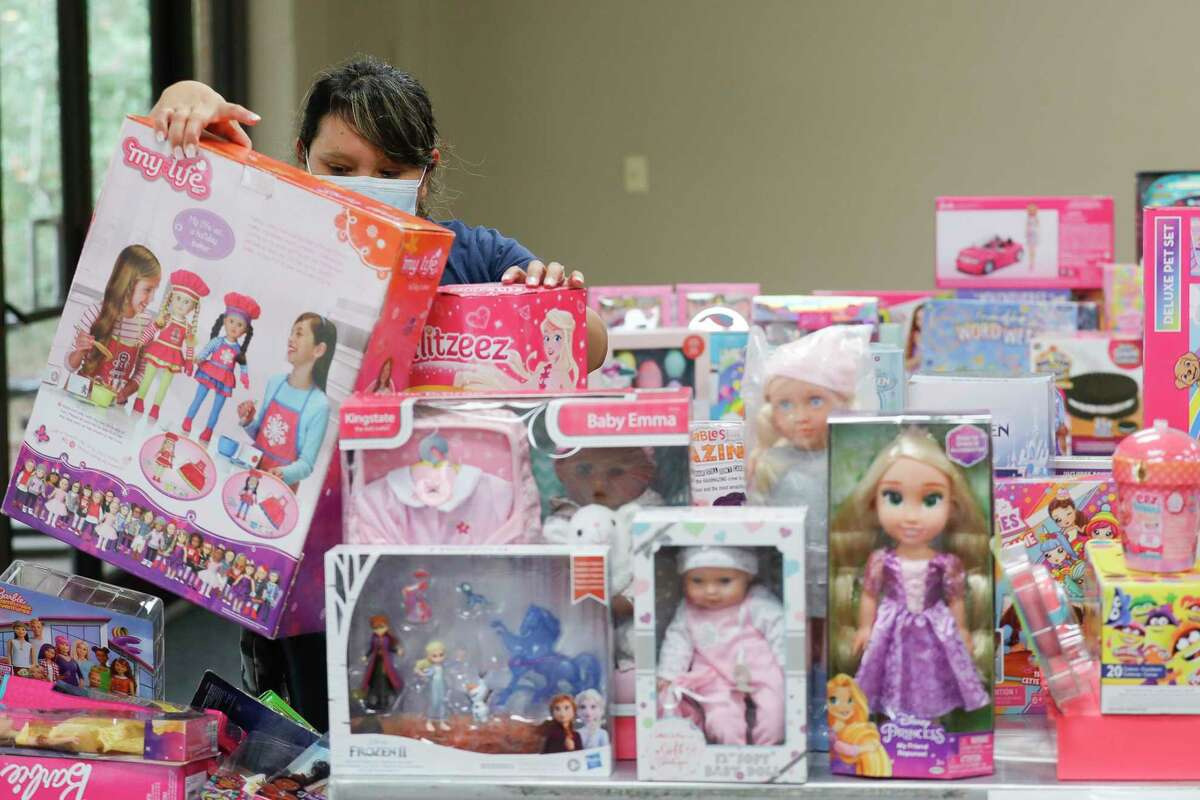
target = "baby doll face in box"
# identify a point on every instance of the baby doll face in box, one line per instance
(912, 501)
(800, 411)
(609, 477)
(714, 588)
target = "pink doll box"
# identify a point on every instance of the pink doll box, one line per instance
(510, 647)
(1171, 266)
(1124, 309)
(697, 298)
(911, 631)
(502, 338)
(38, 777)
(182, 256)
(669, 358)
(787, 317)
(1052, 519)
(634, 308)
(1022, 242)
(695, 728)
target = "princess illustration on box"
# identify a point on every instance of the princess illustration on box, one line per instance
(912, 630)
(224, 353)
(854, 739)
(557, 373)
(173, 347)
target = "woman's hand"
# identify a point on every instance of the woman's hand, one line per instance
(538, 274)
(188, 107)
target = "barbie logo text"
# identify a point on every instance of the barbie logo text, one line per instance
(439, 345)
(26, 782)
(14, 601)
(911, 729)
(191, 175)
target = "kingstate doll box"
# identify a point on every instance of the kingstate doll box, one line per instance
(222, 308)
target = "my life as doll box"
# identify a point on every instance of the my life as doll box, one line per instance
(1172, 293)
(491, 337)
(1052, 519)
(221, 310)
(910, 596)
(1100, 377)
(1147, 629)
(720, 630)
(1022, 242)
(497, 663)
(55, 626)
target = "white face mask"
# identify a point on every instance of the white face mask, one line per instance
(399, 193)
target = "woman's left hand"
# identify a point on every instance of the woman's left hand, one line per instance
(538, 274)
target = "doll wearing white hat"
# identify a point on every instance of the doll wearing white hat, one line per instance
(725, 645)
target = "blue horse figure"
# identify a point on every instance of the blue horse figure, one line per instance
(531, 653)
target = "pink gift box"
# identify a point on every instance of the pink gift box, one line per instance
(53, 778)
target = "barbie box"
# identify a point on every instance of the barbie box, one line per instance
(502, 338)
(183, 429)
(720, 643)
(497, 665)
(911, 639)
(1023, 242)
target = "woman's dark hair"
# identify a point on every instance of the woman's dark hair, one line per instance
(244, 344)
(387, 106)
(324, 332)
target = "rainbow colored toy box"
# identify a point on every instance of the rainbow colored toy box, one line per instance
(1172, 292)
(222, 308)
(1052, 519)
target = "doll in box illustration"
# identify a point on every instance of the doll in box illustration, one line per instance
(912, 635)
(724, 647)
(173, 348)
(381, 682)
(561, 736)
(289, 427)
(222, 362)
(110, 335)
(558, 372)
(853, 737)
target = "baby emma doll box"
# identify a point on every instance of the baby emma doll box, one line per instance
(720, 640)
(910, 596)
(500, 669)
(221, 310)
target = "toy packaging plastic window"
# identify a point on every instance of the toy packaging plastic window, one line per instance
(911, 592)
(503, 667)
(60, 627)
(670, 359)
(221, 310)
(151, 735)
(1023, 242)
(721, 663)
(634, 308)
(489, 337)
(1051, 520)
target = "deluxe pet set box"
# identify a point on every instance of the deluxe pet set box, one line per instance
(187, 413)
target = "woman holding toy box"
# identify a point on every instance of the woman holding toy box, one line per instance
(368, 127)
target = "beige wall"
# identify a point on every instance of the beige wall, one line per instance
(800, 143)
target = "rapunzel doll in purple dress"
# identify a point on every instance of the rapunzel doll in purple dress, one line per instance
(912, 629)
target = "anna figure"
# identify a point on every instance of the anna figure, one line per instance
(381, 682)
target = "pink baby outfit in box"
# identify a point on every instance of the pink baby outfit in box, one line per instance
(721, 657)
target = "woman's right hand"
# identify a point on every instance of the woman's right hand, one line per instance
(188, 107)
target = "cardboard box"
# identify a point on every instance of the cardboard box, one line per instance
(673, 741)
(208, 244)
(977, 335)
(1022, 242)
(667, 358)
(1172, 293)
(787, 317)
(47, 777)
(634, 308)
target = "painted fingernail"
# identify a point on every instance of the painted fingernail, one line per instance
(255, 117)
(178, 153)
(160, 137)
(190, 150)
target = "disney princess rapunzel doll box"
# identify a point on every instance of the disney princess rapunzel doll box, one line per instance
(721, 645)
(223, 306)
(469, 660)
(910, 596)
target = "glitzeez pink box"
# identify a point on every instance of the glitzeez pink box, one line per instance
(222, 308)
(1022, 242)
(490, 337)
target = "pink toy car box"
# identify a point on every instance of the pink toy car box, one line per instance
(222, 308)
(1172, 293)
(1023, 242)
(490, 337)
(633, 307)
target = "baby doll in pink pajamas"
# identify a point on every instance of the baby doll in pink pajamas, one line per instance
(725, 645)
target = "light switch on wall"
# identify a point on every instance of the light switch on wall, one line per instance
(637, 174)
